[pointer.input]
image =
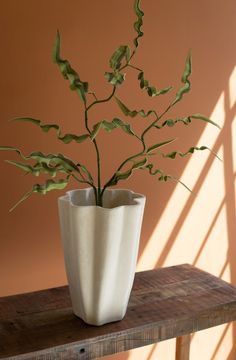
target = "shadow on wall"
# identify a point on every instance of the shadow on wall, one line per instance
(225, 145)
(226, 142)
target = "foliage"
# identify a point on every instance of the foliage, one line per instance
(54, 164)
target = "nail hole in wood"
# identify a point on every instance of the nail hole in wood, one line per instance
(82, 351)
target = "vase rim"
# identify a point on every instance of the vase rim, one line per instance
(132, 199)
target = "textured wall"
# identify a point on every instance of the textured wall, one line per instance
(178, 227)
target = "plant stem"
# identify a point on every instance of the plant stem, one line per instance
(134, 67)
(165, 111)
(87, 182)
(146, 130)
(119, 168)
(128, 63)
(103, 100)
(141, 153)
(93, 94)
(98, 191)
(99, 197)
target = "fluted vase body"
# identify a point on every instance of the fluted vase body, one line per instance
(100, 249)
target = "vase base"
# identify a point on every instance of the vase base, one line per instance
(99, 322)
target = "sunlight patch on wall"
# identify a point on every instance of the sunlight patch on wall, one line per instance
(196, 220)
(199, 225)
(233, 132)
(163, 350)
(203, 341)
(214, 254)
(142, 352)
(162, 230)
(232, 82)
(235, 182)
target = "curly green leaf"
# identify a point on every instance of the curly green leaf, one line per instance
(66, 139)
(152, 171)
(50, 185)
(126, 174)
(43, 189)
(111, 125)
(86, 172)
(138, 23)
(39, 168)
(173, 154)
(39, 157)
(123, 52)
(58, 161)
(158, 145)
(115, 78)
(133, 113)
(186, 121)
(25, 167)
(204, 118)
(24, 197)
(162, 176)
(185, 80)
(151, 90)
(68, 72)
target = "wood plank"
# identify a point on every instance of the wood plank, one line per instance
(165, 303)
(182, 347)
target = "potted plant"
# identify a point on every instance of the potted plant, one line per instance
(100, 225)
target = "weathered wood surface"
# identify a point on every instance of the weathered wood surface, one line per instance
(165, 303)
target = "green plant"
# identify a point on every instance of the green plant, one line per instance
(54, 164)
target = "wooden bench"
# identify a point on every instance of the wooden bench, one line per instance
(165, 303)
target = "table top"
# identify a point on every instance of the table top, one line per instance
(164, 303)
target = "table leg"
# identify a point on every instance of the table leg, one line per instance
(182, 347)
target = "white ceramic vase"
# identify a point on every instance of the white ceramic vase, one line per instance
(100, 249)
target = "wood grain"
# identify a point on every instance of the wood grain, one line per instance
(165, 303)
(182, 347)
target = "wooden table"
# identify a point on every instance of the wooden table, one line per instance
(165, 303)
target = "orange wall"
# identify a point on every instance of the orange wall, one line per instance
(178, 227)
